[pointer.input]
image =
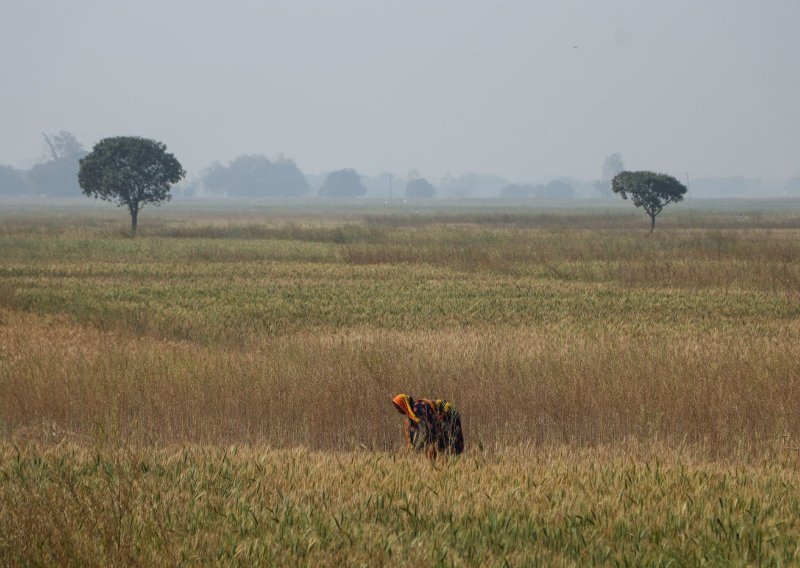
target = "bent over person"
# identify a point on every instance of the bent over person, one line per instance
(451, 438)
(431, 426)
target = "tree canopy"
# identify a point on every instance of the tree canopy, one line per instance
(257, 176)
(56, 174)
(612, 165)
(129, 171)
(342, 183)
(420, 188)
(649, 190)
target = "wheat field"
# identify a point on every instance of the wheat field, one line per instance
(205, 392)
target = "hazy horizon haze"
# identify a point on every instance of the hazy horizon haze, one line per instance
(526, 90)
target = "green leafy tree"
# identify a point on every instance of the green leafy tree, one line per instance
(342, 183)
(648, 190)
(131, 172)
(420, 188)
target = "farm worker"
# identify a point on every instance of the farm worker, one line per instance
(431, 426)
(451, 438)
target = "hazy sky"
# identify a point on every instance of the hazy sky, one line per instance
(524, 89)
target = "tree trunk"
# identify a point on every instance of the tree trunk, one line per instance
(134, 216)
(652, 223)
(50, 145)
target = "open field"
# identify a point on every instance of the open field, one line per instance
(253, 506)
(606, 377)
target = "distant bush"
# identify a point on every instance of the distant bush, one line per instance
(342, 183)
(420, 188)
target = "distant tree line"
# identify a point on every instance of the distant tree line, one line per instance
(556, 189)
(12, 181)
(611, 167)
(420, 188)
(737, 186)
(254, 176)
(257, 176)
(55, 175)
(792, 186)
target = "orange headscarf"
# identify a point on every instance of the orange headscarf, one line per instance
(403, 404)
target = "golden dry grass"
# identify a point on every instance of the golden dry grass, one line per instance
(571, 343)
(247, 506)
(551, 385)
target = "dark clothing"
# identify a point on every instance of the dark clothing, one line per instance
(431, 426)
(451, 438)
(425, 432)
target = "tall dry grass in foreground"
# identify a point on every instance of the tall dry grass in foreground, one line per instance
(544, 329)
(725, 393)
(252, 506)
